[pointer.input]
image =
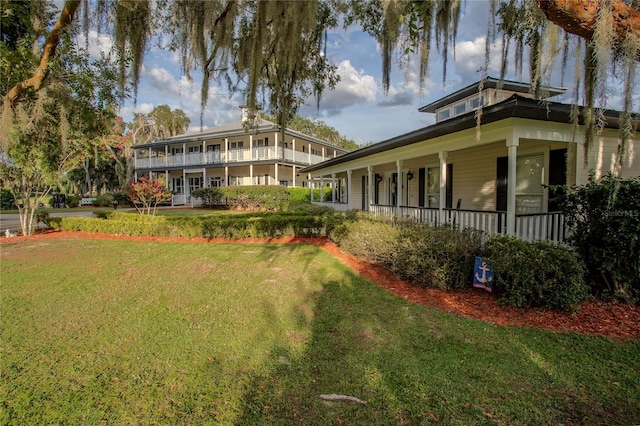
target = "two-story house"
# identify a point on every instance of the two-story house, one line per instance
(233, 154)
(487, 162)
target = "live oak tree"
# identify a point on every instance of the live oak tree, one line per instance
(273, 51)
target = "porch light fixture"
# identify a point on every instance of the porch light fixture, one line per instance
(409, 175)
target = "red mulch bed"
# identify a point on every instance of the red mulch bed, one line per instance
(614, 320)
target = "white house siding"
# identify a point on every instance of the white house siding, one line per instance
(602, 158)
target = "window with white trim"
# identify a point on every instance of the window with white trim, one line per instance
(476, 102)
(194, 149)
(460, 108)
(177, 184)
(444, 114)
(236, 145)
(259, 143)
(215, 182)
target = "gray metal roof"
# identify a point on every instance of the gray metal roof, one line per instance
(516, 106)
(488, 83)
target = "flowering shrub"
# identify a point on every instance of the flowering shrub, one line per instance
(146, 194)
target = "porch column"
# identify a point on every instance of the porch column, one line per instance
(293, 154)
(333, 184)
(226, 176)
(251, 174)
(166, 155)
(443, 185)
(276, 174)
(309, 153)
(311, 185)
(135, 160)
(203, 154)
(323, 153)
(185, 184)
(166, 178)
(370, 185)
(150, 175)
(321, 189)
(204, 177)
(399, 190)
(512, 146)
(251, 148)
(150, 157)
(184, 154)
(349, 187)
(293, 175)
(276, 144)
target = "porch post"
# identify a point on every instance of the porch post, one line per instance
(333, 184)
(135, 160)
(203, 154)
(149, 156)
(251, 150)
(251, 174)
(323, 153)
(399, 190)
(443, 185)
(310, 153)
(184, 154)
(166, 155)
(276, 174)
(226, 176)
(293, 175)
(512, 146)
(348, 187)
(166, 178)
(321, 189)
(370, 184)
(311, 185)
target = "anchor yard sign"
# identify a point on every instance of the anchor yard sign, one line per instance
(482, 275)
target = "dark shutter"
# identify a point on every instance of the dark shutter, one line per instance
(502, 171)
(449, 187)
(557, 176)
(422, 176)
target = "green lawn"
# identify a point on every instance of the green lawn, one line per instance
(124, 332)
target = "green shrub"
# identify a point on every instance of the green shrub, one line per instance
(258, 197)
(72, 200)
(536, 274)
(439, 257)
(7, 201)
(232, 226)
(294, 206)
(299, 194)
(604, 221)
(210, 196)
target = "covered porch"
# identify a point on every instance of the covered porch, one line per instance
(498, 183)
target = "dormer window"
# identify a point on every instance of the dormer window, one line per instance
(461, 108)
(476, 102)
(444, 114)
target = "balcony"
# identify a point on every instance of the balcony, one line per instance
(228, 157)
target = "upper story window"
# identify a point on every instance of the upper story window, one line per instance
(193, 149)
(236, 145)
(444, 114)
(461, 108)
(259, 143)
(476, 102)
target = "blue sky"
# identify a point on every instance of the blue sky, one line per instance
(357, 108)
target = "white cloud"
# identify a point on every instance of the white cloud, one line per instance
(98, 44)
(355, 87)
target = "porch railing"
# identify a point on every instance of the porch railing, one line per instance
(533, 226)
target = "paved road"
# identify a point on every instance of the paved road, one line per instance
(12, 221)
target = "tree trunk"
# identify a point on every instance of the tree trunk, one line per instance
(48, 52)
(579, 17)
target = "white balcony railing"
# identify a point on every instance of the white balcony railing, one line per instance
(230, 156)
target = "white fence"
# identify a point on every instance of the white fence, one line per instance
(530, 227)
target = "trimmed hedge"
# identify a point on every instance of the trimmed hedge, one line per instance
(439, 257)
(536, 274)
(231, 226)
